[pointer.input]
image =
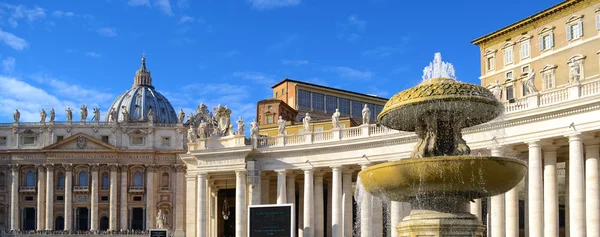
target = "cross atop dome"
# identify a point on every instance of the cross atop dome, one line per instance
(142, 76)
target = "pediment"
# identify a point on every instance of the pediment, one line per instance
(574, 18)
(80, 141)
(548, 67)
(524, 38)
(507, 44)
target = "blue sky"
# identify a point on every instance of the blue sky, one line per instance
(68, 53)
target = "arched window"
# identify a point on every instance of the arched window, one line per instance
(83, 178)
(59, 223)
(138, 179)
(104, 223)
(164, 180)
(61, 181)
(30, 179)
(105, 180)
(2, 180)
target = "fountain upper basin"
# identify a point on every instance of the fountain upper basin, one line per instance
(470, 177)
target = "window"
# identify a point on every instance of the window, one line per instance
(269, 107)
(510, 93)
(344, 106)
(30, 179)
(318, 102)
(598, 19)
(276, 94)
(331, 104)
(105, 181)
(574, 27)
(525, 49)
(83, 179)
(525, 69)
(270, 118)
(104, 198)
(2, 180)
(357, 107)
(60, 198)
(61, 181)
(282, 91)
(2, 141)
(59, 138)
(137, 140)
(546, 38)
(29, 198)
(138, 179)
(166, 141)
(509, 75)
(508, 55)
(28, 140)
(137, 198)
(304, 99)
(548, 80)
(524, 88)
(164, 180)
(548, 76)
(105, 139)
(490, 63)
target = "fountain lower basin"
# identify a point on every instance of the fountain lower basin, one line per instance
(468, 177)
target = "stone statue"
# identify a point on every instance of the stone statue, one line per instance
(96, 117)
(125, 114)
(112, 115)
(69, 114)
(17, 116)
(181, 116)
(150, 115)
(191, 136)
(52, 114)
(230, 130)
(254, 129)
(202, 129)
(222, 115)
(281, 128)
(574, 72)
(306, 123)
(335, 119)
(497, 90)
(84, 112)
(366, 114)
(161, 219)
(241, 126)
(529, 83)
(43, 116)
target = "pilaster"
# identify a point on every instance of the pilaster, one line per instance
(50, 197)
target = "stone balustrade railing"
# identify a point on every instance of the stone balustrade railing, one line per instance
(89, 123)
(50, 233)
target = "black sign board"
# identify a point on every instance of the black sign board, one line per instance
(159, 233)
(271, 220)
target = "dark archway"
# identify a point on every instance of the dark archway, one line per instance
(104, 223)
(59, 223)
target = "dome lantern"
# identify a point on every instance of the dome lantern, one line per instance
(142, 76)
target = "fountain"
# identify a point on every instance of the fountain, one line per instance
(441, 176)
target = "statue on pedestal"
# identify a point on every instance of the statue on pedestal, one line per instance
(366, 114)
(17, 115)
(202, 129)
(306, 123)
(497, 90)
(43, 116)
(52, 114)
(181, 116)
(529, 83)
(96, 115)
(69, 114)
(112, 115)
(335, 119)
(84, 113)
(241, 126)
(150, 115)
(281, 128)
(254, 129)
(161, 219)
(574, 72)
(125, 114)
(191, 136)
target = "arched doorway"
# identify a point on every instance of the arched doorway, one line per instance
(104, 223)
(59, 223)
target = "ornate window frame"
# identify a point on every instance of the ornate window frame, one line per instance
(490, 60)
(548, 73)
(508, 53)
(525, 42)
(574, 28)
(546, 31)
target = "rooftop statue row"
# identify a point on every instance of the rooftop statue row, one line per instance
(69, 113)
(203, 123)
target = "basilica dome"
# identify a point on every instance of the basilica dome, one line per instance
(134, 104)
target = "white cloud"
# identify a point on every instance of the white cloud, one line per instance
(353, 20)
(257, 77)
(73, 91)
(136, 3)
(59, 13)
(183, 3)
(107, 31)
(17, 94)
(272, 4)
(93, 54)
(350, 72)
(13, 41)
(164, 6)
(18, 12)
(8, 65)
(295, 63)
(186, 19)
(352, 28)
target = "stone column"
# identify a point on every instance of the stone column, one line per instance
(50, 197)
(300, 228)
(309, 229)
(336, 201)
(498, 207)
(576, 187)
(550, 193)
(14, 197)
(68, 196)
(124, 201)
(536, 201)
(265, 184)
(179, 201)
(567, 225)
(476, 208)
(281, 189)
(254, 191)
(347, 200)
(112, 211)
(365, 212)
(592, 191)
(291, 193)
(150, 203)
(318, 205)
(240, 203)
(190, 205)
(41, 196)
(201, 206)
(328, 209)
(94, 198)
(512, 212)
